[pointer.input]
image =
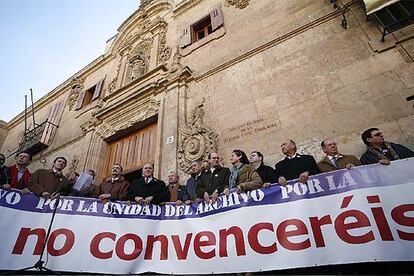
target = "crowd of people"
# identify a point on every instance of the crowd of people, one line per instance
(206, 182)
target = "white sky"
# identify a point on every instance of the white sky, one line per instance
(45, 42)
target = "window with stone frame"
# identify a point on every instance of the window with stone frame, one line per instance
(89, 95)
(202, 28)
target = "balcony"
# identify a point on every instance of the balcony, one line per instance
(38, 139)
(392, 16)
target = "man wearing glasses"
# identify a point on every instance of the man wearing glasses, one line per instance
(381, 151)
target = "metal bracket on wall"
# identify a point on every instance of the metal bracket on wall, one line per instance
(343, 9)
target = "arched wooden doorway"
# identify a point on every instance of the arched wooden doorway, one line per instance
(132, 151)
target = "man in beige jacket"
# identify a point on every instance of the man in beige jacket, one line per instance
(335, 160)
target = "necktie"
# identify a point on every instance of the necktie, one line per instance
(335, 161)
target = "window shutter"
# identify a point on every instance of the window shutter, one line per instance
(98, 89)
(185, 37)
(56, 113)
(80, 100)
(216, 17)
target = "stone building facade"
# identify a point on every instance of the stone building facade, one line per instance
(184, 77)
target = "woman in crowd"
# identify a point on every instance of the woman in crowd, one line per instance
(243, 177)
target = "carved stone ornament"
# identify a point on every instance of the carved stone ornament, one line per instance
(144, 3)
(139, 59)
(128, 116)
(241, 4)
(196, 140)
(164, 52)
(73, 165)
(89, 125)
(176, 63)
(140, 29)
(113, 83)
(312, 147)
(76, 85)
(176, 68)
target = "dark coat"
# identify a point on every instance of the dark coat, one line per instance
(4, 176)
(267, 174)
(155, 188)
(371, 158)
(118, 189)
(211, 181)
(188, 192)
(292, 168)
(47, 181)
(325, 165)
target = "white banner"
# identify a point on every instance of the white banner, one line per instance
(365, 214)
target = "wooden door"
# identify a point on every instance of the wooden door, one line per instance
(132, 151)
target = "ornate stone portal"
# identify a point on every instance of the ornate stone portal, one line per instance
(130, 115)
(73, 165)
(196, 139)
(76, 85)
(241, 4)
(139, 59)
(164, 52)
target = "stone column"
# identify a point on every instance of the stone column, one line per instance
(169, 134)
(95, 155)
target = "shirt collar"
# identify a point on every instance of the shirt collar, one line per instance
(337, 156)
(294, 156)
(56, 172)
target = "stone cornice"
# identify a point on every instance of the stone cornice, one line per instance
(3, 125)
(184, 6)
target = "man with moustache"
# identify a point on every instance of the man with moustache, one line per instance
(115, 187)
(50, 183)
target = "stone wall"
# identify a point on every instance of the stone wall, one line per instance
(323, 82)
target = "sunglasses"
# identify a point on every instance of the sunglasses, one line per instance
(377, 134)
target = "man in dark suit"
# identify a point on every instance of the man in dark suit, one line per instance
(214, 180)
(147, 189)
(188, 192)
(50, 183)
(294, 165)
